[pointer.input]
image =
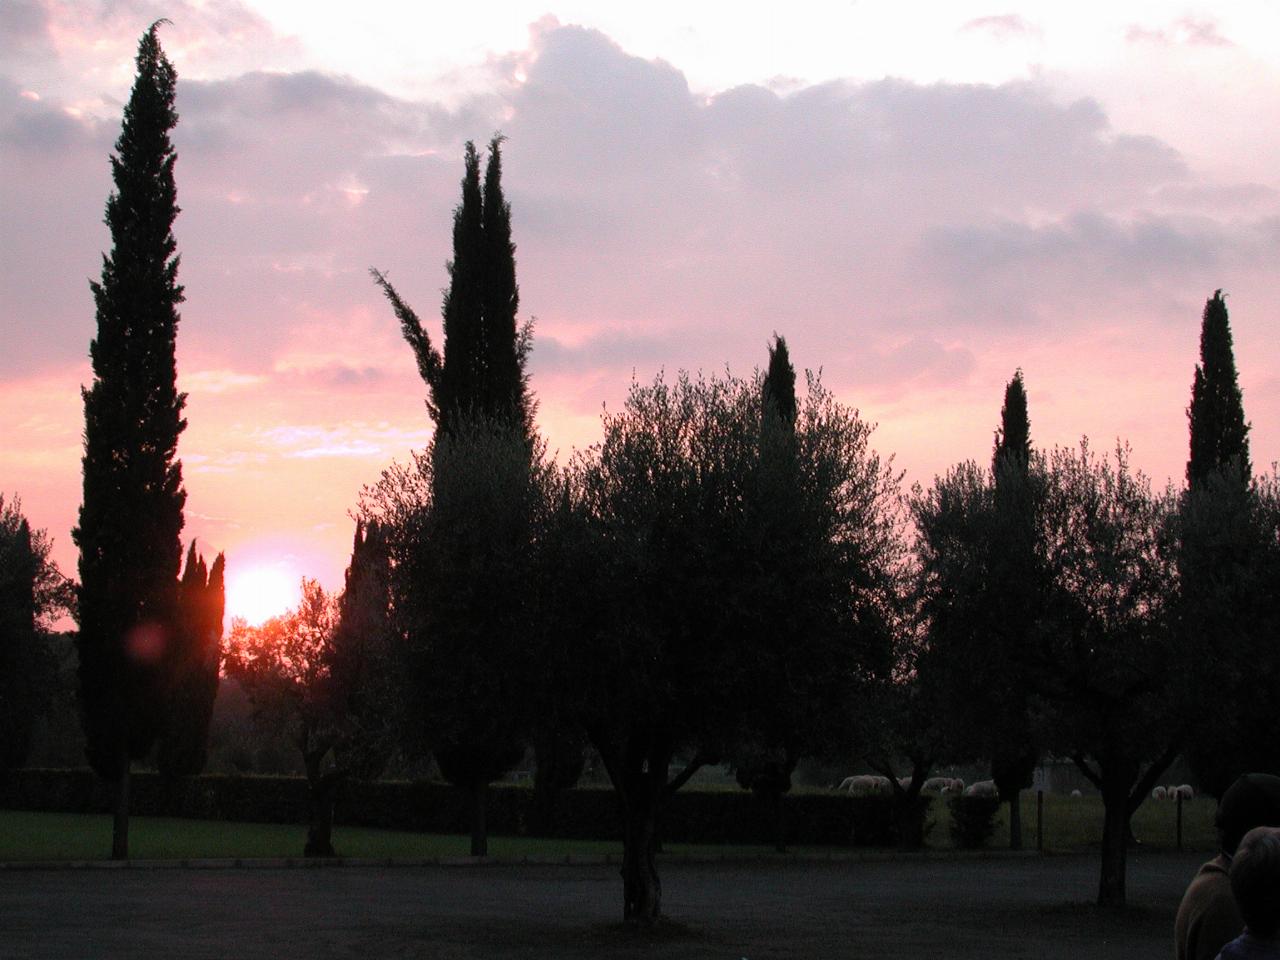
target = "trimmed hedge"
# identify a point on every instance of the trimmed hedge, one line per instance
(973, 820)
(582, 814)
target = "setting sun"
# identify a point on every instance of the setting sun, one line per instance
(261, 591)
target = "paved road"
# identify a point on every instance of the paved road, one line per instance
(1020, 907)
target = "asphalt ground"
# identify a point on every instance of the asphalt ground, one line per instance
(1011, 906)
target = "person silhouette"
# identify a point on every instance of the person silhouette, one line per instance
(1255, 883)
(1208, 917)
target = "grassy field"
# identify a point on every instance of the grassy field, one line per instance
(1074, 824)
(1071, 825)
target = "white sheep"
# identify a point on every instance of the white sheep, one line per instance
(864, 785)
(1076, 793)
(956, 786)
(983, 788)
(1159, 793)
(936, 785)
(1186, 792)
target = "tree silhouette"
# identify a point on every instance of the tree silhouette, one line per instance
(671, 659)
(194, 659)
(468, 551)
(1227, 563)
(1108, 661)
(1016, 597)
(131, 517)
(481, 372)
(33, 595)
(1219, 433)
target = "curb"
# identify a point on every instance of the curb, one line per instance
(572, 859)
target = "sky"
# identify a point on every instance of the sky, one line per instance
(922, 198)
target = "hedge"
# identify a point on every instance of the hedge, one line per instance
(584, 814)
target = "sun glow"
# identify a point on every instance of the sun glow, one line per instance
(261, 591)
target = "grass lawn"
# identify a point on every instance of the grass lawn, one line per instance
(1071, 825)
(1074, 824)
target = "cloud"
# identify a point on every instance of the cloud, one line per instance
(914, 240)
(1008, 26)
(1187, 30)
(219, 381)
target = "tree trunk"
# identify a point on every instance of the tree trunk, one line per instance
(641, 888)
(320, 828)
(1015, 820)
(779, 823)
(479, 831)
(120, 819)
(1115, 830)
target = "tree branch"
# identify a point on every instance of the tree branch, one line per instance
(1083, 765)
(697, 763)
(429, 362)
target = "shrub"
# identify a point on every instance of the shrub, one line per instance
(973, 819)
(586, 813)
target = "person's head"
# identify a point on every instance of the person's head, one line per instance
(1252, 801)
(1255, 881)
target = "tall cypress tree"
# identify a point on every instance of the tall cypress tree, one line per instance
(1226, 546)
(472, 564)
(1219, 433)
(131, 518)
(481, 371)
(506, 395)
(1012, 750)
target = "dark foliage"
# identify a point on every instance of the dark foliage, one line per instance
(675, 666)
(195, 657)
(1109, 662)
(466, 542)
(973, 820)
(33, 595)
(1219, 433)
(131, 517)
(1227, 563)
(481, 373)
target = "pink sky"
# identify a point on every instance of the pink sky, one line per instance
(987, 190)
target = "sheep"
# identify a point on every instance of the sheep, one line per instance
(1076, 793)
(1159, 793)
(955, 787)
(983, 788)
(1186, 792)
(864, 785)
(938, 785)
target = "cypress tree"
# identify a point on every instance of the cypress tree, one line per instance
(1013, 439)
(481, 372)
(18, 693)
(194, 658)
(1013, 753)
(1219, 433)
(505, 397)
(1224, 605)
(131, 518)
(780, 382)
(481, 483)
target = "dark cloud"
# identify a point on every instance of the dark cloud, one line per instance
(24, 28)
